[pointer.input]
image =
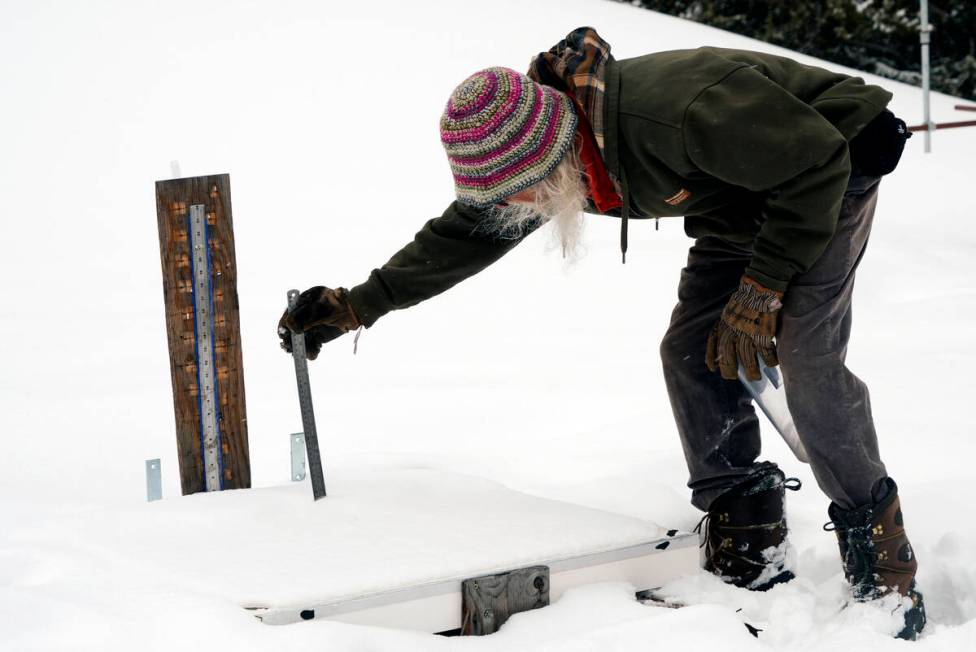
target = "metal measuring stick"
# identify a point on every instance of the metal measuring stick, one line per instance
(305, 401)
(207, 399)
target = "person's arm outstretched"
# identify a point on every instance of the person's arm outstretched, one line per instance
(448, 249)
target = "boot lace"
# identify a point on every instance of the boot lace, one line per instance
(724, 546)
(860, 557)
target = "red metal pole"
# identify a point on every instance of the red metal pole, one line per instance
(945, 125)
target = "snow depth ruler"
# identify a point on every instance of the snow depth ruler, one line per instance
(196, 241)
(305, 401)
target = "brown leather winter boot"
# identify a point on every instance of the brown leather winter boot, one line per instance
(745, 531)
(877, 555)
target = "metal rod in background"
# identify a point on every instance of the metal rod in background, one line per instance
(944, 125)
(949, 125)
(924, 37)
(305, 401)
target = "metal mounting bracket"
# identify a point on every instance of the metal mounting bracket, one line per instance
(154, 482)
(297, 456)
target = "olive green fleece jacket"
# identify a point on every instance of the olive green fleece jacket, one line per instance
(748, 146)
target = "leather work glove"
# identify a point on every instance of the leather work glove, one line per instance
(323, 314)
(747, 328)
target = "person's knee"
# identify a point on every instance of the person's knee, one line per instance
(809, 359)
(810, 344)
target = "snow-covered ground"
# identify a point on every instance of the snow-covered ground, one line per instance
(540, 378)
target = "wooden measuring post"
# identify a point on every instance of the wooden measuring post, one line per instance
(196, 246)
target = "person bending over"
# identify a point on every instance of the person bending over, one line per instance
(775, 167)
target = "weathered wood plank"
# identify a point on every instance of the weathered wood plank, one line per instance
(173, 200)
(490, 600)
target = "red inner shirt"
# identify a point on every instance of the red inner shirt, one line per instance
(602, 192)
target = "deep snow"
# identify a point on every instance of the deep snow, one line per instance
(543, 379)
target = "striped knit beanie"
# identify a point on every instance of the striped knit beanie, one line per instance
(504, 132)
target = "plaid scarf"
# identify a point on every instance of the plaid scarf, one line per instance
(577, 65)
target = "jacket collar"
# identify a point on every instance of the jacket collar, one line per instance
(581, 66)
(611, 151)
(610, 119)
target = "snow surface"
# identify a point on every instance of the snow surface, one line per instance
(541, 379)
(421, 525)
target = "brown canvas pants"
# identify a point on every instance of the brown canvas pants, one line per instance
(831, 407)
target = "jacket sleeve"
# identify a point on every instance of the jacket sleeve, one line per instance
(447, 250)
(748, 131)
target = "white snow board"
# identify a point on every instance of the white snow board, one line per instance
(436, 606)
(393, 548)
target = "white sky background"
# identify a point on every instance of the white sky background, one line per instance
(325, 115)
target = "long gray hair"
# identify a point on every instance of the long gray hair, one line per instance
(560, 199)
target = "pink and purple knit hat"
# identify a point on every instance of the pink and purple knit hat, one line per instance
(504, 132)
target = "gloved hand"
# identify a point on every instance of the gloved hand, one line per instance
(323, 314)
(747, 328)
